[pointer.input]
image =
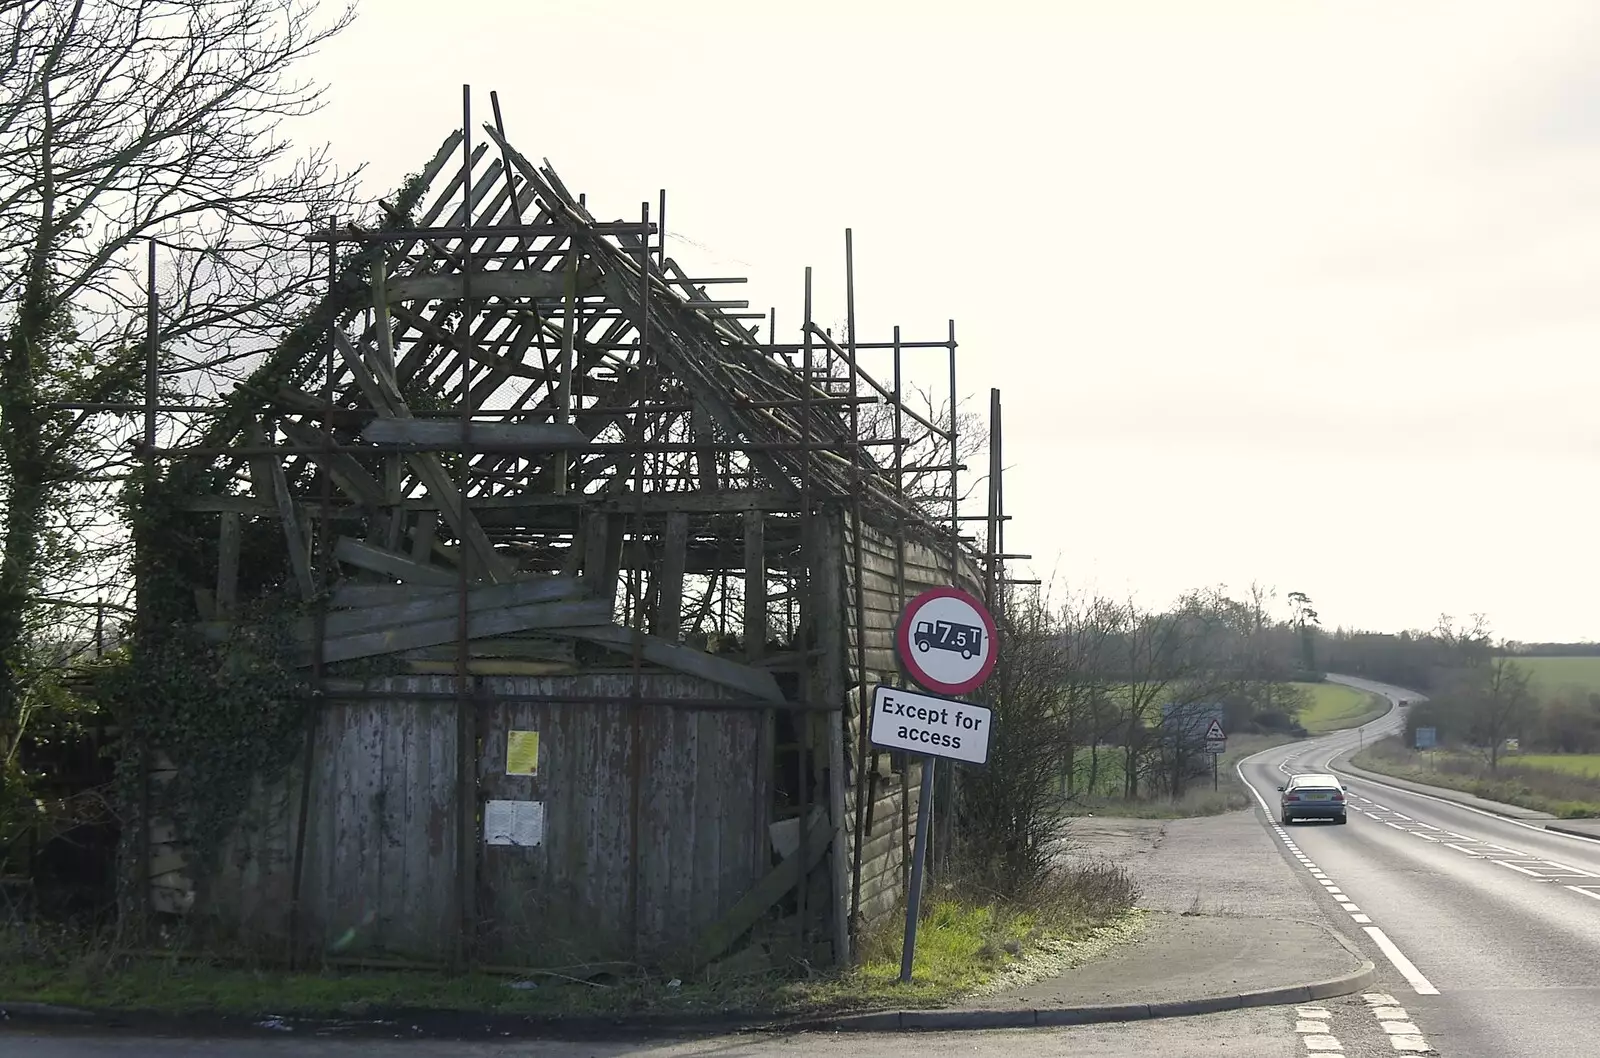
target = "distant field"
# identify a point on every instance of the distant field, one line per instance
(1334, 706)
(1585, 764)
(1554, 673)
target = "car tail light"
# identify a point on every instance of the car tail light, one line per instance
(1291, 797)
(1338, 797)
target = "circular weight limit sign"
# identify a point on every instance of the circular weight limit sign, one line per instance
(946, 641)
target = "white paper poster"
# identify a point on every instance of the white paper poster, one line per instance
(518, 823)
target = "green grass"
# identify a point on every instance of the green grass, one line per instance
(963, 945)
(1585, 764)
(1551, 674)
(1334, 707)
(1542, 782)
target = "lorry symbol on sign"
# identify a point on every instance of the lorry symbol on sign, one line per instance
(966, 640)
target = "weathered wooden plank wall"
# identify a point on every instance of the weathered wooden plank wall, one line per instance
(892, 572)
(699, 836)
(380, 836)
(380, 855)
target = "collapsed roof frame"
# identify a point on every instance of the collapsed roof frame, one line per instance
(516, 393)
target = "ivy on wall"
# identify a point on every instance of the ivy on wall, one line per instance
(224, 712)
(231, 712)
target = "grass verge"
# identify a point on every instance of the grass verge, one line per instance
(967, 943)
(1335, 707)
(1527, 783)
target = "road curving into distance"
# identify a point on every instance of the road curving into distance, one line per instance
(1486, 929)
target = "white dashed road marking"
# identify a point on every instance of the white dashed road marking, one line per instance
(1312, 1025)
(1404, 1036)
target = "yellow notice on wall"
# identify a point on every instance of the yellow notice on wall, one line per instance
(522, 753)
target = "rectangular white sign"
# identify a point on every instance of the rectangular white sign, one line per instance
(923, 723)
(519, 823)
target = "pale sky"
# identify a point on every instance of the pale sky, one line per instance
(1299, 293)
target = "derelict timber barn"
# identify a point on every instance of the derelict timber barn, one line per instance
(596, 579)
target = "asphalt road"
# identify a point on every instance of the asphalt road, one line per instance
(1487, 930)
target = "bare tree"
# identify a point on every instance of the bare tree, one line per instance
(1088, 629)
(925, 421)
(1470, 644)
(1501, 703)
(123, 122)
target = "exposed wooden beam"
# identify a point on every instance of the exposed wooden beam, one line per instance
(768, 891)
(391, 564)
(523, 648)
(482, 624)
(354, 594)
(719, 670)
(228, 565)
(602, 554)
(694, 502)
(423, 536)
(490, 283)
(755, 586)
(669, 578)
(437, 606)
(700, 428)
(479, 436)
(384, 395)
(345, 470)
(267, 476)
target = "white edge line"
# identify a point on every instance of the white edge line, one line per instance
(1407, 968)
(1586, 892)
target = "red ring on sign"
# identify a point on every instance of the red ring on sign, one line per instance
(902, 643)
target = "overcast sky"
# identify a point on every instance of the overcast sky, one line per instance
(1299, 293)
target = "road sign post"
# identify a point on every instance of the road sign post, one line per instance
(1216, 745)
(947, 644)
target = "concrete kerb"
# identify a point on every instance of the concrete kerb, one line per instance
(468, 1025)
(1572, 833)
(965, 1020)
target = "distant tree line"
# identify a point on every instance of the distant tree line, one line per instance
(1090, 690)
(1481, 706)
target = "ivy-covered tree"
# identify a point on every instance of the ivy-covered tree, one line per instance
(124, 124)
(1306, 622)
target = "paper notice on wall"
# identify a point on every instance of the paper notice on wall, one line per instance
(522, 753)
(518, 823)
